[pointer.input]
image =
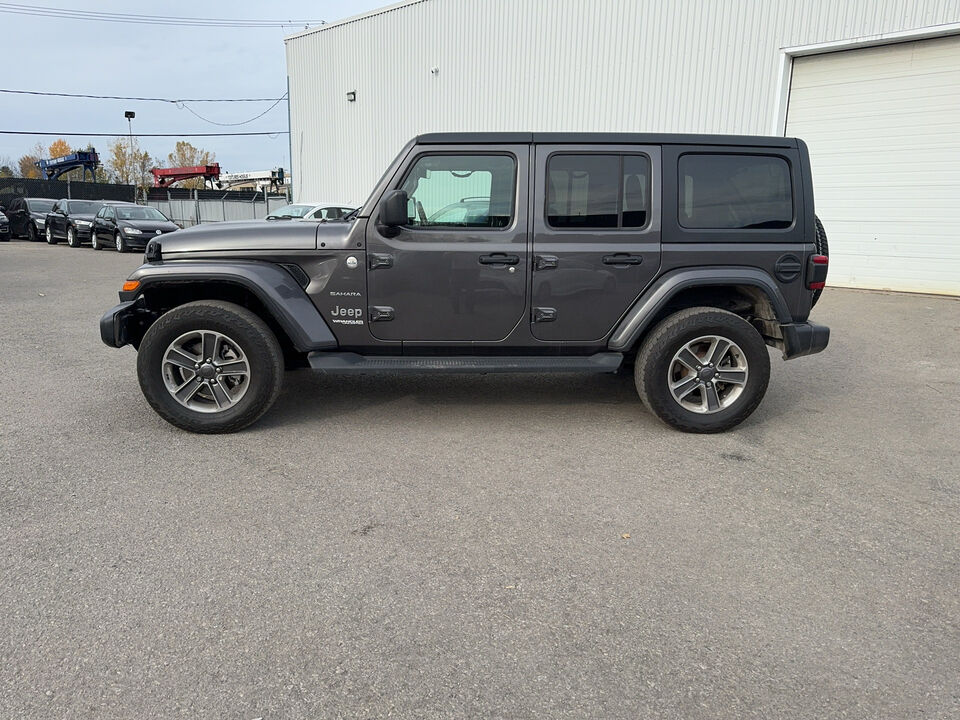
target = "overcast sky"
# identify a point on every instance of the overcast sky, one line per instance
(105, 58)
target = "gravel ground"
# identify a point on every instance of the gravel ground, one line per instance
(499, 546)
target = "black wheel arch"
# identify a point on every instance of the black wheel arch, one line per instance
(745, 291)
(269, 291)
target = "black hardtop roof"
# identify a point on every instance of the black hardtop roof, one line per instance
(559, 138)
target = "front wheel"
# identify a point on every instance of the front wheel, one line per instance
(32, 232)
(94, 242)
(210, 367)
(72, 239)
(120, 243)
(51, 240)
(702, 370)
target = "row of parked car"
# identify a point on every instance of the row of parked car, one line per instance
(98, 223)
(122, 225)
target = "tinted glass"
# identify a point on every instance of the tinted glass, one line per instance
(139, 212)
(83, 207)
(598, 191)
(44, 206)
(636, 191)
(583, 191)
(735, 192)
(461, 191)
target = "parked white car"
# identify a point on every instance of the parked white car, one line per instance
(311, 211)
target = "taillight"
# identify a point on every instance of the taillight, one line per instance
(817, 272)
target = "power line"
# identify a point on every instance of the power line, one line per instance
(97, 134)
(232, 124)
(140, 99)
(65, 13)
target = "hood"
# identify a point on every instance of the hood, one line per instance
(83, 216)
(149, 226)
(253, 235)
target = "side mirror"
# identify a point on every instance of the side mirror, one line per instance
(393, 209)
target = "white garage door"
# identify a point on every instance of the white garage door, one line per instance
(883, 128)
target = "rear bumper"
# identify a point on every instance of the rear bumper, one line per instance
(804, 338)
(120, 325)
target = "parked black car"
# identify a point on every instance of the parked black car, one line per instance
(126, 226)
(71, 220)
(4, 228)
(28, 216)
(677, 257)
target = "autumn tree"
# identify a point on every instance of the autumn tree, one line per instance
(129, 164)
(27, 164)
(6, 167)
(186, 155)
(59, 148)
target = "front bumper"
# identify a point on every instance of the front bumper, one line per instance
(124, 324)
(805, 338)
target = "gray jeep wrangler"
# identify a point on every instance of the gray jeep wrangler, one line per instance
(682, 256)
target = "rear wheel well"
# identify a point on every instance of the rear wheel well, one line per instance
(160, 299)
(748, 301)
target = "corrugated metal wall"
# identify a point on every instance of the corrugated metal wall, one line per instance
(562, 65)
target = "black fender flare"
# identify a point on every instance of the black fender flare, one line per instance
(656, 297)
(271, 284)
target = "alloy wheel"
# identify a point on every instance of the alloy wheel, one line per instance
(708, 374)
(205, 371)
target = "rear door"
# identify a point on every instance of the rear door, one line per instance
(596, 244)
(457, 270)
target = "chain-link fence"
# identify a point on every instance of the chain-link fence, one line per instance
(192, 207)
(58, 189)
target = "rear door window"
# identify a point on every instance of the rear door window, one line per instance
(734, 192)
(597, 191)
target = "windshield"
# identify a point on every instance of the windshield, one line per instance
(139, 212)
(84, 207)
(43, 206)
(291, 211)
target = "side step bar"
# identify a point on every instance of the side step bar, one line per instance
(340, 363)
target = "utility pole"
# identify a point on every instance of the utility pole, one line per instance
(130, 115)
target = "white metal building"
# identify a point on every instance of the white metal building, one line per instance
(872, 86)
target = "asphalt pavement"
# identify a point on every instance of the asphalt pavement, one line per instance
(476, 546)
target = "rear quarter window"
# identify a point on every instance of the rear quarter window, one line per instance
(734, 192)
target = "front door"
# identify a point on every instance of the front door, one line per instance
(596, 242)
(457, 270)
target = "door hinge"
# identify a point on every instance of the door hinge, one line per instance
(378, 260)
(544, 262)
(380, 313)
(544, 314)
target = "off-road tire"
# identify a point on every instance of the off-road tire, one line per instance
(257, 341)
(823, 248)
(652, 367)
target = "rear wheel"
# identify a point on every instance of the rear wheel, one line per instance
(210, 367)
(702, 370)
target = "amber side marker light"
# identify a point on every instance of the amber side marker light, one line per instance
(130, 285)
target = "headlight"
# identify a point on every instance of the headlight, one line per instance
(130, 231)
(40, 222)
(83, 223)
